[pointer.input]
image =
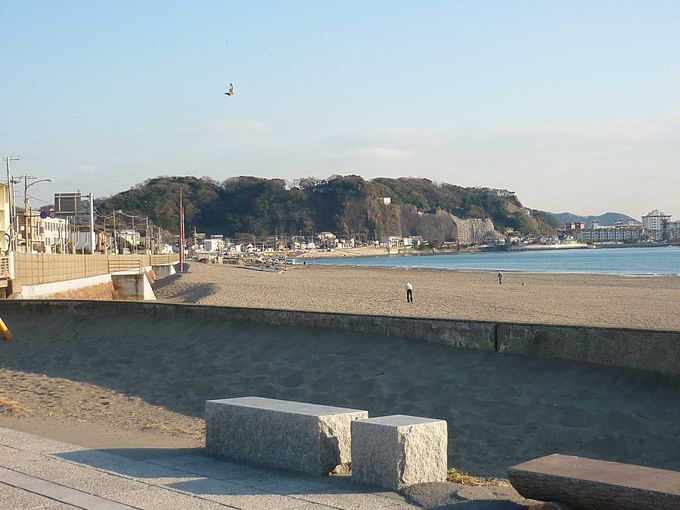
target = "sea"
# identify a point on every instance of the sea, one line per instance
(618, 261)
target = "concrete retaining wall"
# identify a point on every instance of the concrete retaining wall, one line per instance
(658, 351)
(49, 289)
(636, 348)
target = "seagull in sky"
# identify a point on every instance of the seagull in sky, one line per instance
(231, 90)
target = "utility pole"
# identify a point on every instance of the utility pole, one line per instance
(115, 237)
(11, 244)
(92, 224)
(181, 233)
(26, 226)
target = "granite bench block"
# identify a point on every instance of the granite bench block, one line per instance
(292, 435)
(579, 482)
(397, 451)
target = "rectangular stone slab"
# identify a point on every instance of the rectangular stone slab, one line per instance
(589, 483)
(397, 451)
(293, 435)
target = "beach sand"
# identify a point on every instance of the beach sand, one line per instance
(588, 300)
(123, 375)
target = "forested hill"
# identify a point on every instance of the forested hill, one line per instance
(346, 205)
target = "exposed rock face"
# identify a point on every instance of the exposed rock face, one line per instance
(473, 230)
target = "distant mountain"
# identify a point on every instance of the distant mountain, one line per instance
(605, 220)
(347, 205)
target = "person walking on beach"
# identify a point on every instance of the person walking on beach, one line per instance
(409, 293)
(500, 278)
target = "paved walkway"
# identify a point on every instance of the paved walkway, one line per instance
(38, 473)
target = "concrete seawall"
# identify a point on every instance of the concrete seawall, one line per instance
(658, 351)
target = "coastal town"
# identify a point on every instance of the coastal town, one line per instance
(656, 228)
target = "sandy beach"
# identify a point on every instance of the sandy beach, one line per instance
(589, 300)
(117, 380)
(107, 380)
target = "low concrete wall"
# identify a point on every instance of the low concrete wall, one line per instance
(102, 292)
(163, 271)
(657, 351)
(43, 290)
(134, 285)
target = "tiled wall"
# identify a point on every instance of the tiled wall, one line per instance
(33, 269)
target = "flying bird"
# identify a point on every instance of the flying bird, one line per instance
(231, 90)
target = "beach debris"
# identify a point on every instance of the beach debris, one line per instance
(461, 477)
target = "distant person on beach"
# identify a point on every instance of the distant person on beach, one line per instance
(409, 293)
(500, 278)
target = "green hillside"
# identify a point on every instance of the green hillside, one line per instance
(346, 205)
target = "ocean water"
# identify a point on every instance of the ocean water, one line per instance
(621, 261)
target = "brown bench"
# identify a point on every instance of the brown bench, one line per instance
(596, 484)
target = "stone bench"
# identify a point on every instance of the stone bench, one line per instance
(584, 483)
(292, 435)
(397, 451)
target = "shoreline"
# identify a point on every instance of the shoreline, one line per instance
(504, 271)
(494, 264)
(351, 252)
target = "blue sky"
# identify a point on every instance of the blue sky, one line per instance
(573, 105)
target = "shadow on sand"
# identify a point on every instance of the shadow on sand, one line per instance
(501, 409)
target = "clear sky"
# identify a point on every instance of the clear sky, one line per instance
(573, 105)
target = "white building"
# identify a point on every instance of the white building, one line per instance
(655, 220)
(214, 245)
(128, 240)
(54, 233)
(618, 234)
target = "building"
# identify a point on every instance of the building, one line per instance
(40, 233)
(327, 240)
(128, 241)
(654, 223)
(617, 234)
(575, 226)
(393, 241)
(673, 230)
(655, 220)
(215, 244)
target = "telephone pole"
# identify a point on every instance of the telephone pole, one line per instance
(12, 206)
(92, 240)
(181, 233)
